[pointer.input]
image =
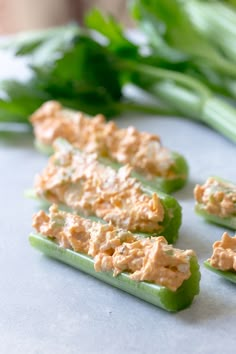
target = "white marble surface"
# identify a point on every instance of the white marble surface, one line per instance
(47, 307)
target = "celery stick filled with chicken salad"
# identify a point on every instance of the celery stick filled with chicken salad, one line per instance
(148, 268)
(143, 151)
(223, 258)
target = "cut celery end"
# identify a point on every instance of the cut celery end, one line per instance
(152, 293)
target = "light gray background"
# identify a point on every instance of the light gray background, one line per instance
(47, 307)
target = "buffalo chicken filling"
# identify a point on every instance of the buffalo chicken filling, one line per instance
(217, 197)
(224, 253)
(82, 183)
(142, 151)
(116, 250)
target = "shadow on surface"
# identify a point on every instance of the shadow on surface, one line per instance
(186, 192)
(208, 306)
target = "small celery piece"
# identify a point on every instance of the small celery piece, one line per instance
(164, 184)
(152, 293)
(229, 222)
(229, 275)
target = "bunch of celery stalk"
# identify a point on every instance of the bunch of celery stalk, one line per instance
(188, 64)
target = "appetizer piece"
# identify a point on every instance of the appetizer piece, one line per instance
(143, 151)
(223, 259)
(82, 183)
(216, 201)
(148, 268)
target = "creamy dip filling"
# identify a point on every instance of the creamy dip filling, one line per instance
(141, 150)
(79, 181)
(217, 197)
(224, 253)
(116, 250)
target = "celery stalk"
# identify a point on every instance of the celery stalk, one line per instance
(152, 293)
(229, 221)
(229, 275)
(211, 110)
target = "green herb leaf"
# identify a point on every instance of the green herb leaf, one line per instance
(175, 31)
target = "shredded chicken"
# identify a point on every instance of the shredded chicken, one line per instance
(217, 197)
(224, 253)
(141, 150)
(82, 183)
(116, 250)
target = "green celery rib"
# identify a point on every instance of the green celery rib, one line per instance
(229, 275)
(172, 22)
(185, 101)
(168, 75)
(220, 116)
(211, 110)
(152, 293)
(229, 222)
(217, 22)
(166, 185)
(159, 184)
(144, 108)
